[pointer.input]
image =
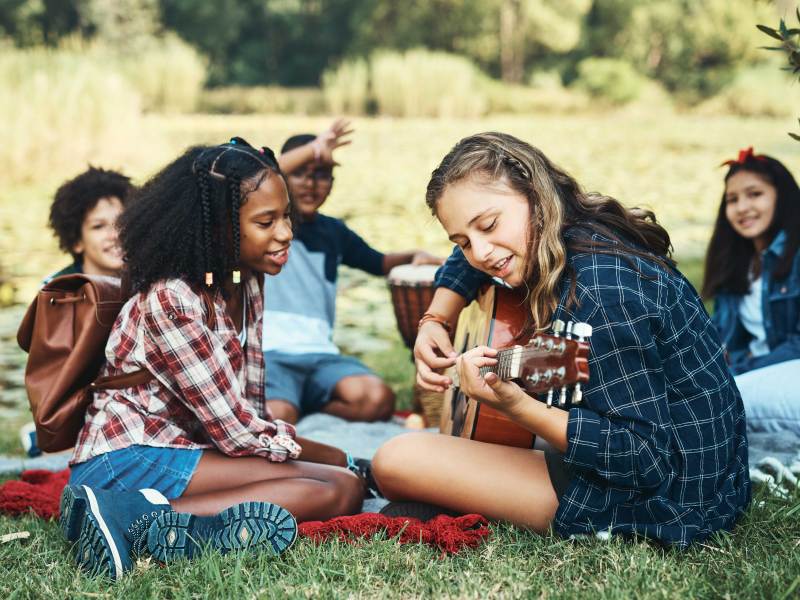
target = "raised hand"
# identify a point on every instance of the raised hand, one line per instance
(334, 137)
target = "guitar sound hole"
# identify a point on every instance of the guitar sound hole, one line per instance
(459, 411)
(458, 404)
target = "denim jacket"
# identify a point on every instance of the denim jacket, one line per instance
(781, 311)
(658, 446)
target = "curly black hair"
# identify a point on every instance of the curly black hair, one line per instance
(76, 197)
(184, 222)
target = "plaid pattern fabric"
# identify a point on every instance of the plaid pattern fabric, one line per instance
(457, 275)
(207, 391)
(658, 447)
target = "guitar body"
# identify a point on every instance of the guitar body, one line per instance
(496, 319)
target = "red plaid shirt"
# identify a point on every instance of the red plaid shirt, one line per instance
(207, 391)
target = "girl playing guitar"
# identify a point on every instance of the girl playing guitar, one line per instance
(657, 447)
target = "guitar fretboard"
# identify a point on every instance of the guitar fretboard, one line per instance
(504, 366)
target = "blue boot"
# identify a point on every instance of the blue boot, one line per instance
(114, 527)
(252, 526)
(71, 511)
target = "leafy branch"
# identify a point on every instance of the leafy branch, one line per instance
(789, 39)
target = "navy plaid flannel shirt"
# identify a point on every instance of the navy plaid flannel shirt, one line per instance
(658, 446)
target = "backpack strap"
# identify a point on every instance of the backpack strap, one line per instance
(142, 376)
(125, 380)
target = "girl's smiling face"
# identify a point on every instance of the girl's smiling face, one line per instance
(265, 229)
(490, 223)
(750, 206)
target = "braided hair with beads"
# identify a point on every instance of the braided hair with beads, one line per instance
(184, 222)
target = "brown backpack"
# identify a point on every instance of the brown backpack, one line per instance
(64, 332)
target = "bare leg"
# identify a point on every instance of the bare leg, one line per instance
(499, 482)
(361, 398)
(309, 491)
(283, 410)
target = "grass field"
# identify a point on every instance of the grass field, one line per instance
(665, 161)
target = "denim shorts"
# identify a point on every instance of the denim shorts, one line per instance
(167, 470)
(307, 380)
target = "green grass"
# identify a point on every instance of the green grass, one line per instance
(662, 160)
(760, 559)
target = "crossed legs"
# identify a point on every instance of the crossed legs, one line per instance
(355, 398)
(499, 482)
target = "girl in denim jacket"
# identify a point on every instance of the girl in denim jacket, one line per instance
(753, 274)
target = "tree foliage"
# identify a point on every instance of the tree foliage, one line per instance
(789, 38)
(692, 47)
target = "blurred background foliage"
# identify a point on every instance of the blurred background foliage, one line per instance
(640, 99)
(693, 48)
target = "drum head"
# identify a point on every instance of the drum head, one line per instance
(413, 275)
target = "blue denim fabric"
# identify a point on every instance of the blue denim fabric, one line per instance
(781, 310)
(167, 470)
(658, 447)
(307, 380)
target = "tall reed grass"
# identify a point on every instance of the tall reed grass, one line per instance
(168, 74)
(420, 83)
(65, 106)
(416, 83)
(59, 109)
(346, 89)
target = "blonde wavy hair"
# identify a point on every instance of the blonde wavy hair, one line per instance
(557, 203)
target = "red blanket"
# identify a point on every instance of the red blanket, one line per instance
(39, 492)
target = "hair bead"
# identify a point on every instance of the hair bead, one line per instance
(237, 276)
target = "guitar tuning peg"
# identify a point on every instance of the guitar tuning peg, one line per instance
(570, 325)
(550, 398)
(582, 331)
(562, 397)
(577, 394)
(558, 327)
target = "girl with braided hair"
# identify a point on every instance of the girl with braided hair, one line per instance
(197, 239)
(657, 446)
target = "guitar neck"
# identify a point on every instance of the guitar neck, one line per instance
(504, 367)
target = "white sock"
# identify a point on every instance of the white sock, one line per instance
(154, 496)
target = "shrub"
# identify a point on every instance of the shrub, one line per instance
(346, 88)
(168, 73)
(548, 95)
(61, 106)
(261, 99)
(762, 91)
(421, 83)
(610, 79)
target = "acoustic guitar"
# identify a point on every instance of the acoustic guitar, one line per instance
(546, 366)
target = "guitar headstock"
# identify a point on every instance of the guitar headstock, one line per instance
(550, 362)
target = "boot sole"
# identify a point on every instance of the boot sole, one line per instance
(250, 526)
(72, 510)
(97, 552)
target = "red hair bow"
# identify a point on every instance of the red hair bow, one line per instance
(744, 155)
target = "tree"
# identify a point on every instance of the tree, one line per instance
(789, 39)
(693, 48)
(534, 28)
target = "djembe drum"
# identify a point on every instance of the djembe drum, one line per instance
(412, 291)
